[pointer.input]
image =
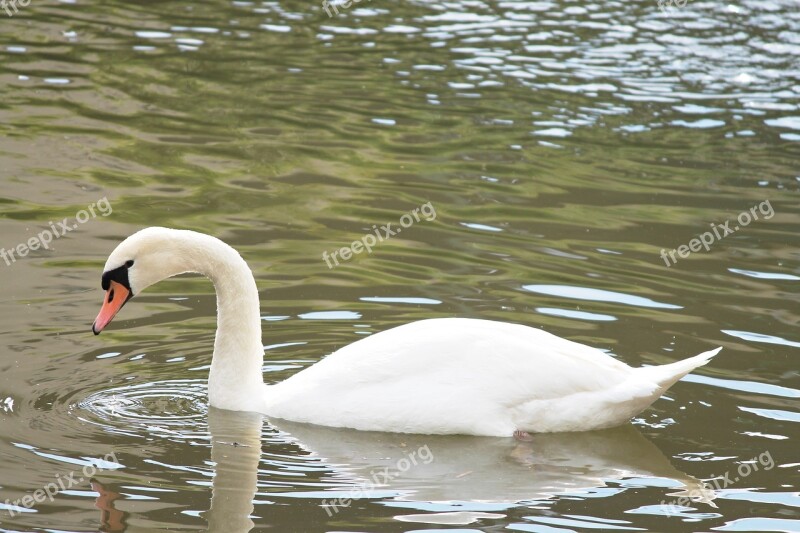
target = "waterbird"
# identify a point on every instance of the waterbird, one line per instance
(435, 376)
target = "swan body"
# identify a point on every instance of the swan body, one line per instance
(436, 376)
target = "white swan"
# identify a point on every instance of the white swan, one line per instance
(437, 376)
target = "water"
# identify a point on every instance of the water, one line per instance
(563, 146)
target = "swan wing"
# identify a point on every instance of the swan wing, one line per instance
(453, 375)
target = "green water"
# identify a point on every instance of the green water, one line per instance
(562, 146)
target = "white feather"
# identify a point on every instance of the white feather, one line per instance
(438, 376)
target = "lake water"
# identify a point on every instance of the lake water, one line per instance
(571, 152)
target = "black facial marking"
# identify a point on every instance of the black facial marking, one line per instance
(119, 274)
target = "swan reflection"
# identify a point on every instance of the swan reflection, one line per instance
(236, 451)
(430, 468)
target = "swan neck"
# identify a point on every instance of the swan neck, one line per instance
(235, 381)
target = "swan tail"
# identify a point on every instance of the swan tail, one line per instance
(667, 375)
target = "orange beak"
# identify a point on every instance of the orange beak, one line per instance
(116, 296)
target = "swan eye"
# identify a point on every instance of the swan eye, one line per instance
(129, 263)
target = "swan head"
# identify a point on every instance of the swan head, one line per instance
(146, 257)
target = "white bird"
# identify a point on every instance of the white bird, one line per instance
(436, 376)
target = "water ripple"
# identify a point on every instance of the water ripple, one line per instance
(172, 404)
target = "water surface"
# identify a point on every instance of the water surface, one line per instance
(563, 146)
